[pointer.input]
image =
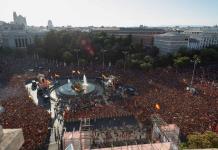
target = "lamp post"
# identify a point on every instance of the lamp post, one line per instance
(196, 61)
(103, 51)
(77, 56)
(1, 130)
(124, 65)
(2, 109)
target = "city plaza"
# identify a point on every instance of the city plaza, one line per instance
(100, 107)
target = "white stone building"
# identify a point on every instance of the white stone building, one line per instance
(202, 37)
(17, 36)
(19, 19)
(170, 42)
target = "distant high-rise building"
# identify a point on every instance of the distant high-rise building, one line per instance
(19, 19)
(50, 25)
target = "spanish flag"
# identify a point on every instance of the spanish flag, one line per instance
(57, 76)
(157, 106)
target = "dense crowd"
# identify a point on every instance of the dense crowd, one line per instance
(97, 112)
(21, 112)
(165, 87)
(116, 135)
(191, 112)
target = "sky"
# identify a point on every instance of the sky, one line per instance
(112, 12)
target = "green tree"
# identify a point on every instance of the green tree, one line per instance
(149, 59)
(6, 51)
(181, 62)
(206, 140)
(146, 66)
(83, 62)
(152, 51)
(119, 63)
(209, 55)
(67, 57)
(164, 60)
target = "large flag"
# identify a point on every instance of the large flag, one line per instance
(157, 106)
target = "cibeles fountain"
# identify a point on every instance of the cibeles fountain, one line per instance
(76, 87)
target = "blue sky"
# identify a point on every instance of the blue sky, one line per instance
(113, 12)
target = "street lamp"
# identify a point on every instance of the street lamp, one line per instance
(77, 55)
(103, 51)
(2, 109)
(125, 54)
(1, 130)
(196, 61)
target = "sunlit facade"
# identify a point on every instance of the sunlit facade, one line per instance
(170, 42)
(202, 37)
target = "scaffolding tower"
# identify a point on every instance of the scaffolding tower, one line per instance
(85, 134)
(165, 132)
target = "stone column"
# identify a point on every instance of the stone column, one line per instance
(19, 40)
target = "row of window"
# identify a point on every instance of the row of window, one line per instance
(21, 42)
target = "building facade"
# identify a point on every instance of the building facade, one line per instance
(202, 37)
(144, 35)
(17, 34)
(170, 42)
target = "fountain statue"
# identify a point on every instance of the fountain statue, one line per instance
(85, 83)
(69, 84)
(68, 81)
(76, 87)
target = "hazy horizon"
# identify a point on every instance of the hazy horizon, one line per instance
(118, 13)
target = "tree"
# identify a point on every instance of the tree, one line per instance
(20, 53)
(149, 59)
(164, 60)
(147, 63)
(83, 62)
(146, 66)
(67, 57)
(119, 63)
(51, 45)
(206, 140)
(152, 51)
(209, 55)
(181, 62)
(6, 51)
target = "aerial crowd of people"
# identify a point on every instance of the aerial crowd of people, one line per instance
(21, 112)
(165, 88)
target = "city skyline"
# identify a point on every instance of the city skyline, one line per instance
(113, 12)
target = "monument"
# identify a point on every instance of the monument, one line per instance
(75, 87)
